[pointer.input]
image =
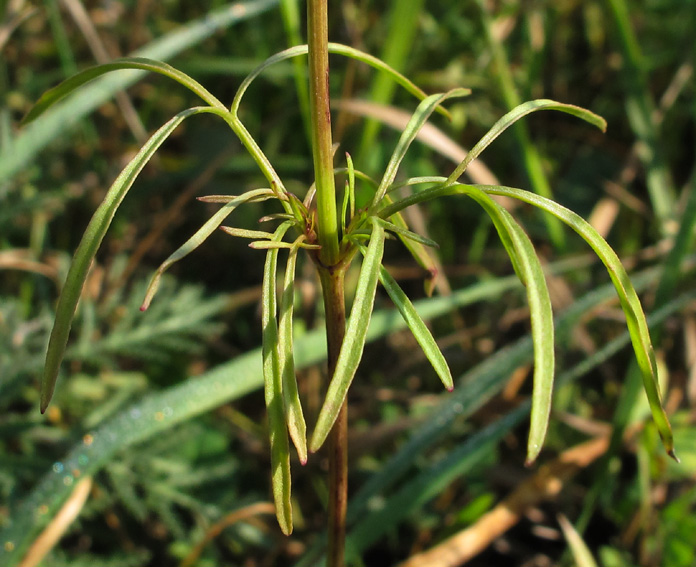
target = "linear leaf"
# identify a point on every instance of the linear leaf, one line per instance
(635, 317)
(404, 233)
(513, 116)
(338, 49)
(529, 270)
(425, 258)
(245, 233)
(60, 91)
(201, 236)
(19, 152)
(273, 390)
(419, 118)
(354, 342)
(418, 327)
(87, 249)
(291, 398)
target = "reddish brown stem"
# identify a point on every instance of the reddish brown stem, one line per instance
(334, 304)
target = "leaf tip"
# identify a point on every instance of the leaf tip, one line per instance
(45, 400)
(316, 442)
(285, 527)
(672, 454)
(533, 450)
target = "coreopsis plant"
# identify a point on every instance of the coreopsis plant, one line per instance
(332, 234)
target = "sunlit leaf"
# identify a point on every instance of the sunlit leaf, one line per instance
(201, 236)
(354, 341)
(581, 553)
(418, 327)
(513, 116)
(293, 406)
(52, 96)
(273, 390)
(528, 269)
(87, 249)
(419, 118)
(338, 49)
(635, 317)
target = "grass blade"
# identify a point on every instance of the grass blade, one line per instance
(273, 391)
(635, 317)
(87, 249)
(354, 342)
(201, 236)
(291, 398)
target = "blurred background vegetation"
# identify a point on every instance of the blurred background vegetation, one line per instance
(156, 434)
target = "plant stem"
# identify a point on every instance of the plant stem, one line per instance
(318, 40)
(332, 286)
(332, 277)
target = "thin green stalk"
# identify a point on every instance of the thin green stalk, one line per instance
(327, 218)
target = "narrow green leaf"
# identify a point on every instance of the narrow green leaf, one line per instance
(418, 328)
(351, 184)
(52, 96)
(269, 244)
(419, 118)
(21, 149)
(541, 315)
(87, 249)
(293, 406)
(513, 116)
(530, 272)
(338, 49)
(408, 234)
(245, 233)
(273, 390)
(635, 317)
(344, 208)
(425, 258)
(354, 342)
(528, 269)
(201, 236)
